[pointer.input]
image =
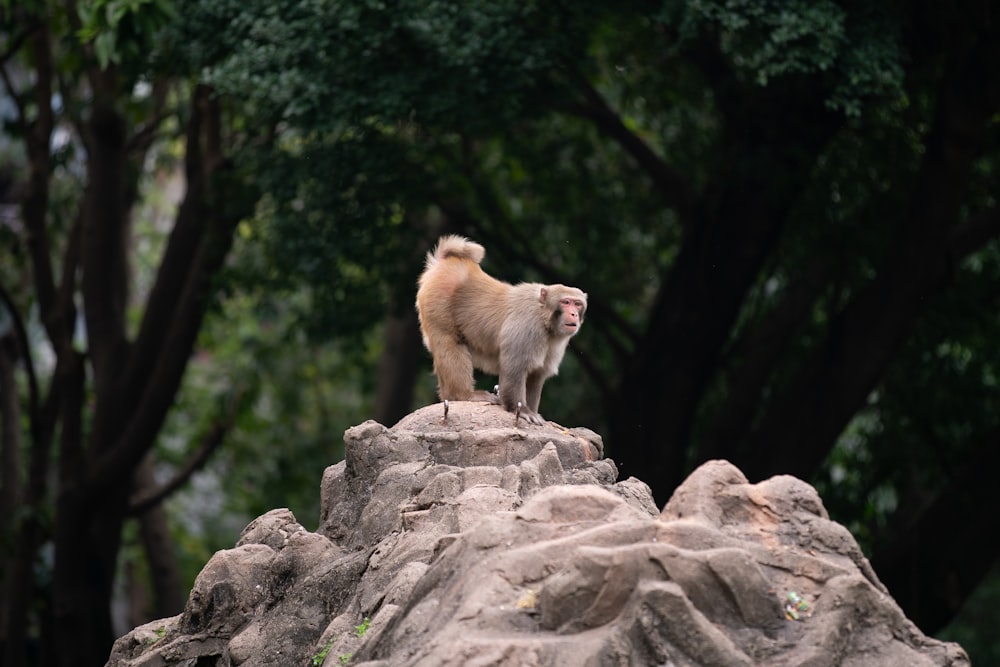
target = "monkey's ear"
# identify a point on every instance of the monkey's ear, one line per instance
(542, 294)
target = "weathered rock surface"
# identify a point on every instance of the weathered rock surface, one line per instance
(472, 542)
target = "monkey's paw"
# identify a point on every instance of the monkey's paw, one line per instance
(535, 419)
(482, 395)
(528, 415)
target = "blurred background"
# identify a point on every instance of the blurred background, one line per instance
(213, 214)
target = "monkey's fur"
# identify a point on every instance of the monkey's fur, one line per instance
(472, 320)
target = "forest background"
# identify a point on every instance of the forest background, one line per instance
(213, 213)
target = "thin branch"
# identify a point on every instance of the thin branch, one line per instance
(14, 44)
(145, 134)
(21, 334)
(674, 187)
(18, 102)
(209, 441)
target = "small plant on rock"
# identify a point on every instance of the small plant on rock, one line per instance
(318, 659)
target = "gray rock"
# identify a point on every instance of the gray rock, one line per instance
(477, 541)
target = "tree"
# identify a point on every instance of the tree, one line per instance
(767, 202)
(94, 103)
(783, 213)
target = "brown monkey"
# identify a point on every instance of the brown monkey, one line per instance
(472, 320)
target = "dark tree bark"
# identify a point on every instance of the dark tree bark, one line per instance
(835, 380)
(398, 366)
(738, 222)
(11, 489)
(759, 352)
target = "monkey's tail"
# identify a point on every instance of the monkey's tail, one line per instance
(455, 246)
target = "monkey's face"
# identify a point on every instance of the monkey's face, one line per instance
(571, 311)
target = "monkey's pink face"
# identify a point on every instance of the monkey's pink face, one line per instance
(572, 314)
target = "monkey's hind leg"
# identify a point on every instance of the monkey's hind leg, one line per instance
(453, 368)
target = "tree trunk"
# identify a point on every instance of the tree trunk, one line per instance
(11, 636)
(806, 417)
(86, 540)
(164, 571)
(727, 242)
(135, 383)
(26, 526)
(398, 367)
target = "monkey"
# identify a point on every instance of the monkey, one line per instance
(471, 320)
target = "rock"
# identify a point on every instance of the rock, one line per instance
(471, 541)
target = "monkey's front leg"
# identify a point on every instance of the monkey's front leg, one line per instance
(513, 398)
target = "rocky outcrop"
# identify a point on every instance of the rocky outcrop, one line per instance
(470, 541)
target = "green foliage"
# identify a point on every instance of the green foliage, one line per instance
(334, 220)
(321, 64)
(123, 31)
(780, 38)
(320, 655)
(160, 633)
(344, 658)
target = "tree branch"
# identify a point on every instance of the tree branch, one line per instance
(37, 136)
(17, 41)
(673, 187)
(208, 442)
(230, 202)
(24, 350)
(759, 351)
(103, 248)
(144, 135)
(188, 233)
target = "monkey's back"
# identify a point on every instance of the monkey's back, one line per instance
(450, 294)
